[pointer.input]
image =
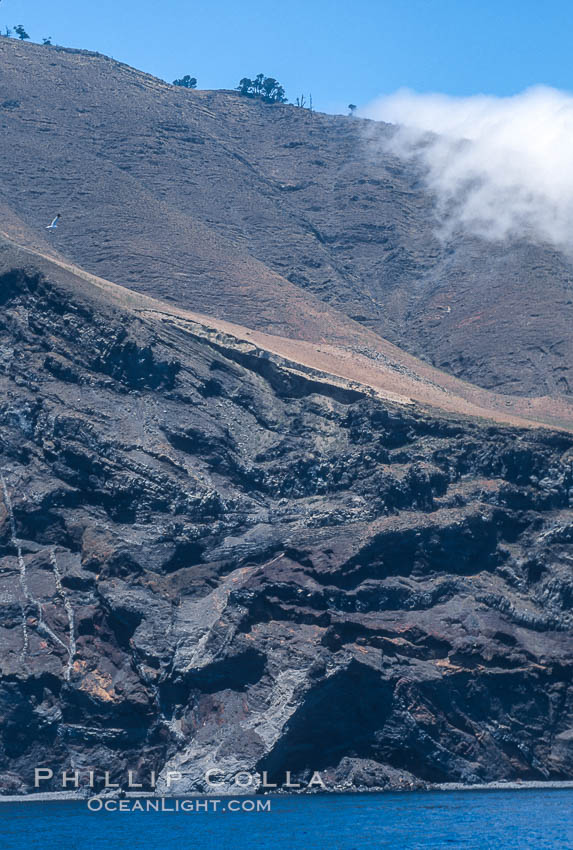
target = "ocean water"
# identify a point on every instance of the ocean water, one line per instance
(500, 820)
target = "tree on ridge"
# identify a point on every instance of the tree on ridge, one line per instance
(186, 82)
(267, 88)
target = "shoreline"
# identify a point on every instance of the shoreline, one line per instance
(442, 787)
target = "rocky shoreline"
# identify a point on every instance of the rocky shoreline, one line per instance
(69, 796)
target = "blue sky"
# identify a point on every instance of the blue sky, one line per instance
(340, 52)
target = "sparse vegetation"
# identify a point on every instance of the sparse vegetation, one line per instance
(266, 88)
(21, 32)
(187, 82)
(302, 104)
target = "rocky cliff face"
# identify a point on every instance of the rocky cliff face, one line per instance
(212, 559)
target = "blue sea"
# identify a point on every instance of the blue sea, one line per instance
(500, 820)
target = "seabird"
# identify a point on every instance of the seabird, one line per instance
(54, 224)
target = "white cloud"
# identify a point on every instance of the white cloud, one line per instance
(500, 167)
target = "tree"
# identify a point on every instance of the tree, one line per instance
(187, 82)
(352, 108)
(273, 92)
(245, 87)
(47, 40)
(267, 88)
(21, 32)
(7, 32)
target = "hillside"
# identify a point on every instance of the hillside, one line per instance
(246, 523)
(275, 218)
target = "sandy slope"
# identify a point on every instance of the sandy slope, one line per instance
(363, 359)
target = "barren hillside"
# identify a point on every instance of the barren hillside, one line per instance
(271, 217)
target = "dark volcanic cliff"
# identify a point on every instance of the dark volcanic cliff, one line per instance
(212, 559)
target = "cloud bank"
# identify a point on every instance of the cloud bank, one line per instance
(499, 167)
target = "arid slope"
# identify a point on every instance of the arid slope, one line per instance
(269, 216)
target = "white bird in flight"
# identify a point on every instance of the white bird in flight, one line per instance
(54, 224)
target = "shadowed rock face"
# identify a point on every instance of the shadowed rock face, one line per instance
(209, 560)
(270, 216)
